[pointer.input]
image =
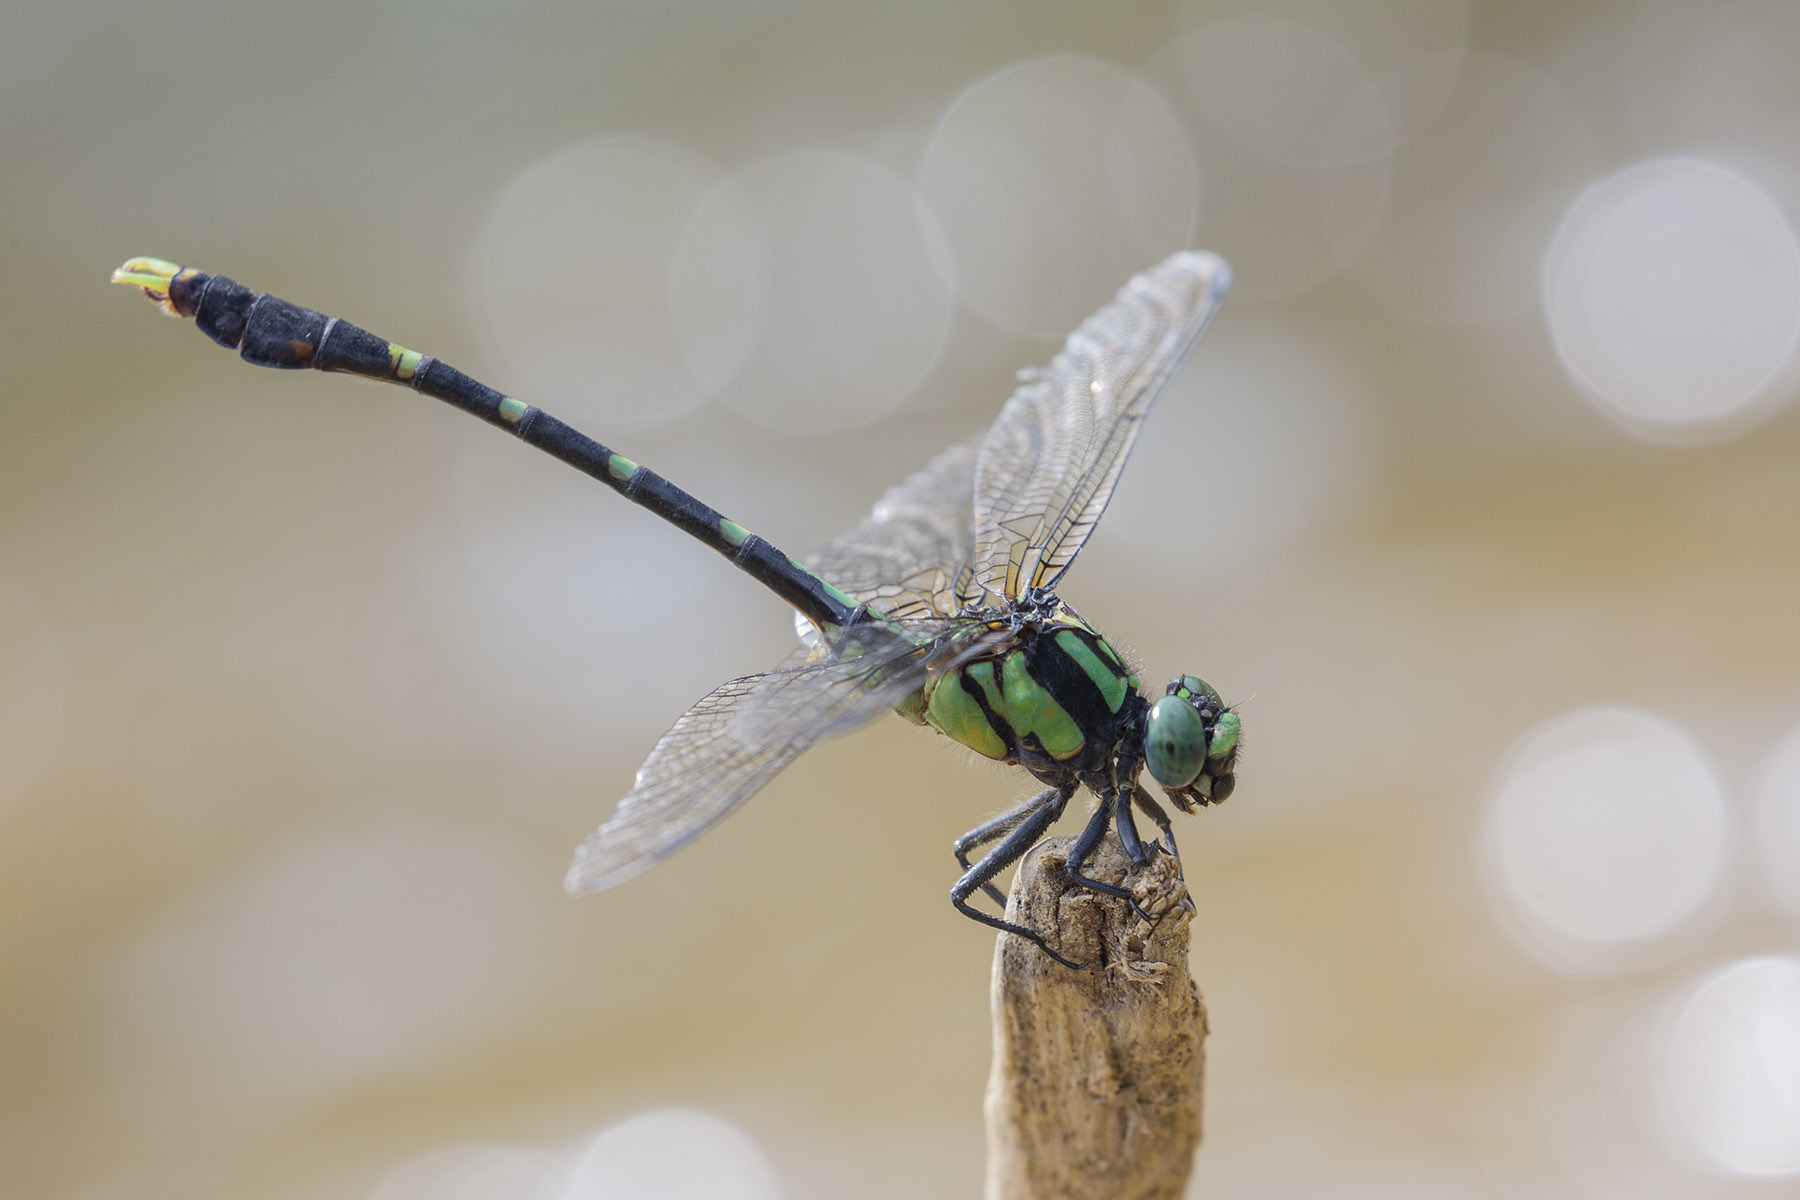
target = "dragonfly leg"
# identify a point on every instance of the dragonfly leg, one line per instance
(994, 830)
(1129, 841)
(1041, 813)
(1160, 815)
(1084, 847)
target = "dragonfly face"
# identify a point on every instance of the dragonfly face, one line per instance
(1191, 744)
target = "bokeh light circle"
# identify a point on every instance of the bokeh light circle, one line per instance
(672, 1154)
(571, 276)
(1777, 823)
(1672, 290)
(667, 1154)
(1476, 192)
(1607, 832)
(472, 1172)
(1294, 414)
(1298, 142)
(811, 292)
(523, 598)
(1727, 1071)
(1053, 180)
(1322, 55)
(1279, 87)
(1726, 75)
(1578, 1068)
(323, 965)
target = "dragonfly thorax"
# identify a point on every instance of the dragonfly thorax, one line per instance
(1047, 692)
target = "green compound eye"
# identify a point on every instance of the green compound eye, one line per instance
(1175, 742)
(1225, 735)
(1190, 687)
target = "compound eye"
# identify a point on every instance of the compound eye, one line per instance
(1175, 742)
(1225, 735)
(1197, 691)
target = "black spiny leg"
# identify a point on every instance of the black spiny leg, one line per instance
(1129, 841)
(1041, 813)
(1084, 847)
(1157, 813)
(994, 830)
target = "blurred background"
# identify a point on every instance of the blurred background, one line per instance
(1480, 498)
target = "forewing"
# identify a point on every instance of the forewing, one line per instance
(1048, 466)
(727, 746)
(903, 559)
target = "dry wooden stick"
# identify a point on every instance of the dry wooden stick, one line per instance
(1096, 1083)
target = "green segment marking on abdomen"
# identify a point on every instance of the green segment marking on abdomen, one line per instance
(403, 362)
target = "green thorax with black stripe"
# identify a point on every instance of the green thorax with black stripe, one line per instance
(1053, 695)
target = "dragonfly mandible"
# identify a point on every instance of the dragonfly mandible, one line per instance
(941, 605)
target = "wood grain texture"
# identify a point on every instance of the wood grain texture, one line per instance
(1095, 1090)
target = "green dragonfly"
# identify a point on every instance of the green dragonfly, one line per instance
(941, 605)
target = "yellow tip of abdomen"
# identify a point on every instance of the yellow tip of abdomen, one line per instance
(151, 274)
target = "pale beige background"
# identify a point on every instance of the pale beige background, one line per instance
(308, 689)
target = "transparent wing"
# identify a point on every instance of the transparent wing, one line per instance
(733, 741)
(903, 559)
(1048, 466)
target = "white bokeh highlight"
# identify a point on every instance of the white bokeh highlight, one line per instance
(1320, 56)
(1297, 139)
(1477, 192)
(1578, 1073)
(1733, 78)
(532, 572)
(1606, 833)
(1726, 1070)
(1672, 290)
(812, 291)
(474, 1172)
(1280, 87)
(1054, 180)
(668, 1154)
(673, 1154)
(570, 274)
(323, 966)
(1261, 441)
(1777, 823)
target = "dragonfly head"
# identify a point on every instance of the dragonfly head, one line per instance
(1191, 744)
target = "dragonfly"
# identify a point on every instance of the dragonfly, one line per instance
(941, 605)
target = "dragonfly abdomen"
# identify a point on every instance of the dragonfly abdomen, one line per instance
(1054, 697)
(271, 332)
